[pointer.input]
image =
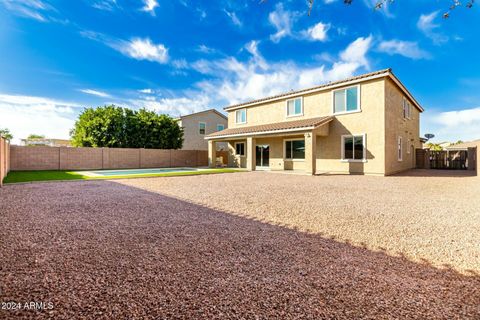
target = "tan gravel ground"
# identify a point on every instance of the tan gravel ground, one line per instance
(244, 245)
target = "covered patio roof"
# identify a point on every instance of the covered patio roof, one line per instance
(272, 128)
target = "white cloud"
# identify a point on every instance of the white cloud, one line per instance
(136, 48)
(175, 106)
(282, 20)
(453, 125)
(234, 81)
(318, 32)
(107, 5)
(205, 49)
(24, 115)
(144, 49)
(428, 27)
(407, 49)
(95, 93)
(146, 91)
(233, 17)
(33, 9)
(149, 6)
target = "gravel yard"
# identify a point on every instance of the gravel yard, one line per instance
(244, 245)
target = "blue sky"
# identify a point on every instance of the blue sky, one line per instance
(177, 57)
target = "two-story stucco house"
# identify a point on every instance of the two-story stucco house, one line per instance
(196, 126)
(367, 124)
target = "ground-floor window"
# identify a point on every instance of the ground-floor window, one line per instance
(353, 147)
(240, 148)
(294, 149)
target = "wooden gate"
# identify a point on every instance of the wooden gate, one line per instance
(456, 160)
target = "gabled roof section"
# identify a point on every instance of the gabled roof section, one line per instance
(272, 128)
(204, 111)
(331, 85)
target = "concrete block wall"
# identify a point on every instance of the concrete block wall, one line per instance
(4, 159)
(63, 158)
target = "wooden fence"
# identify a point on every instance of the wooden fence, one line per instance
(453, 160)
(4, 159)
(63, 158)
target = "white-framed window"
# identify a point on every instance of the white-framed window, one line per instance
(346, 100)
(407, 109)
(241, 116)
(294, 149)
(220, 127)
(202, 126)
(295, 107)
(354, 148)
(240, 148)
(400, 148)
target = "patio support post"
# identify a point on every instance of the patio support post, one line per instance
(250, 153)
(310, 153)
(212, 154)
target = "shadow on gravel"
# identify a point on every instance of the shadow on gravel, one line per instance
(103, 250)
(436, 173)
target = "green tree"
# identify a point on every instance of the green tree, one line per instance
(35, 136)
(116, 127)
(6, 134)
(434, 146)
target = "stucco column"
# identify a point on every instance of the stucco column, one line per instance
(212, 154)
(310, 153)
(251, 154)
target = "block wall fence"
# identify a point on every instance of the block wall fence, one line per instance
(4, 159)
(64, 158)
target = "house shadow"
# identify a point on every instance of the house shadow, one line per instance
(326, 153)
(126, 252)
(422, 173)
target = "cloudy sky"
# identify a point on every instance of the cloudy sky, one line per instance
(182, 56)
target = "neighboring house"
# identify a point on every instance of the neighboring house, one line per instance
(367, 124)
(463, 145)
(46, 142)
(197, 126)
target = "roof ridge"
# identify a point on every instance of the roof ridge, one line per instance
(364, 75)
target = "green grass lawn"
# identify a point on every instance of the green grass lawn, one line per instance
(29, 176)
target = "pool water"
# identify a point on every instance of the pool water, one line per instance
(139, 171)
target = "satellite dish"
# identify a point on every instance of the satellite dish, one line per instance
(429, 136)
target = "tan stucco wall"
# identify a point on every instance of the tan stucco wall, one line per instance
(369, 121)
(193, 140)
(380, 119)
(397, 126)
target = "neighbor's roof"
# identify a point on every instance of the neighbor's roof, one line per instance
(204, 111)
(297, 125)
(364, 77)
(464, 145)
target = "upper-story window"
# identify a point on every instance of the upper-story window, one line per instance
(407, 109)
(202, 127)
(295, 107)
(346, 100)
(241, 116)
(220, 127)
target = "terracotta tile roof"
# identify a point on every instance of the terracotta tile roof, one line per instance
(366, 75)
(277, 126)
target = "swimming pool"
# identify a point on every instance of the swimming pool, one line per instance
(128, 172)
